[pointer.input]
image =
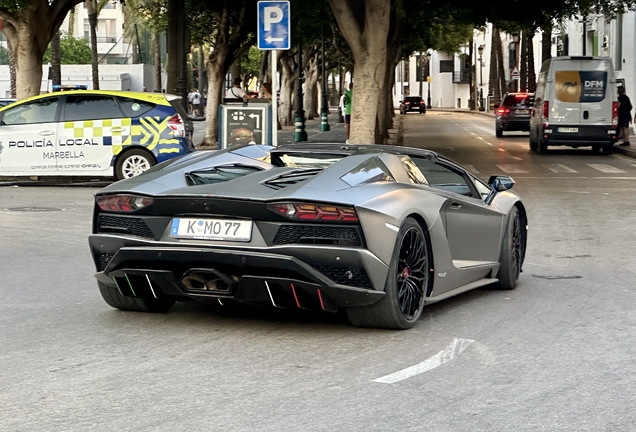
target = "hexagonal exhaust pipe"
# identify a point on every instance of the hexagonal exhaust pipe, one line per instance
(209, 280)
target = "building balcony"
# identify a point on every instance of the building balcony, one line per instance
(461, 76)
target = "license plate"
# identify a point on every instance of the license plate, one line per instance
(523, 111)
(211, 229)
(568, 129)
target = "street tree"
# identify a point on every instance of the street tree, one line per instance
(29, 26)
(72, 50)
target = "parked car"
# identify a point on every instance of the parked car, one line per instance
(375, 230)
(513, 114)
(413, 103)
(576, 104)
(97, 133)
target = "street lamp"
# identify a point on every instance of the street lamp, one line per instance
(480, 49)
(515, 40)
(324, 109)
(421, 72)
(428, 61)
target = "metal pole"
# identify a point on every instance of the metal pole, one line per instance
(273, 54)
(341, 114)
(299, 133)
(324, 110)
(481, 83)
(428, 60)
(419, 68)
(182, 57)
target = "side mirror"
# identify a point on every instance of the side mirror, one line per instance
(501, 183)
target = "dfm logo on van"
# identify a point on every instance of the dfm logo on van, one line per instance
(569, 89)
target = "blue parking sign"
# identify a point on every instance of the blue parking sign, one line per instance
(273, 25)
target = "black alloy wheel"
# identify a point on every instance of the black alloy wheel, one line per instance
(406, 284)
(412, 273)
(512, 252)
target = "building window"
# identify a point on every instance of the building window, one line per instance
(445, 66)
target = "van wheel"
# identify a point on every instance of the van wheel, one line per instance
(533, 144)
(542, 147)
(132, 163)
(608, 149)
(596, 148)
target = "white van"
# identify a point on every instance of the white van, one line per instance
(575, 104)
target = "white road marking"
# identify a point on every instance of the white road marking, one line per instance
(606, 168)
(501, 150)
(515, 158)
(452, 351)
(511, 169)
(559, 168)
(472, 169)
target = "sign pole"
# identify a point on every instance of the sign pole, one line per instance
(274, 98)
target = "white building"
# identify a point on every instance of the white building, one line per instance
(112, 46)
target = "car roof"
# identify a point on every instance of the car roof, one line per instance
(157, 98)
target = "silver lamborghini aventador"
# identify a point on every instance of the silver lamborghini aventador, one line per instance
(377, 231)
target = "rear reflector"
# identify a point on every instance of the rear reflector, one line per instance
(614, 114)
(122, 203)
(314, 212)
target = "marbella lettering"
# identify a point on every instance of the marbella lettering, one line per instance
(49, 143)
(63, 155)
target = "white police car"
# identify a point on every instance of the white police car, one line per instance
(97, 133)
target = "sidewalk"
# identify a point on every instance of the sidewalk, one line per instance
(336, 134)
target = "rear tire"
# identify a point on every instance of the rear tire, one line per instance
(498, 133)
(133, 162)
(406, 283)
(114, 298)
(608, 149)
(596, 148)
(512, 251)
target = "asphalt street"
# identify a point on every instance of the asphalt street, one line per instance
(552, 355)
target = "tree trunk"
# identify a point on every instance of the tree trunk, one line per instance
(92, 22)
(172, 64)
(532, 76)
(503, 86)
(216, 68)
(523, 73)
(546, 43)
(12, 73)
(28, 64)
(493, 83)
(56, 55)
(369, 47)
(311, 87)
(157, 53)
(285, 107)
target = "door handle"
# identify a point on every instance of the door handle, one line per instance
(47, 133)
(455, 206)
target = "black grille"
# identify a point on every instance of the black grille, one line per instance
(103, 259)
(124, 225)
(344, 275)
(312, 234)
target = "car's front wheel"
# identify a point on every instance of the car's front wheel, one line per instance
(133, 162)
(406, 283)
(512, 250)
(116, 299)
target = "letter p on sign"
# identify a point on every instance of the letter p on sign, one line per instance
(273, 15)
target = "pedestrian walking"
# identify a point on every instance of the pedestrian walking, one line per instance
(624, 114)
(190, 106)
(341, 107)
(196, 103)
(347, 111)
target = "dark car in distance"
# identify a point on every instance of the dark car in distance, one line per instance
(513, 114)
(413, 103)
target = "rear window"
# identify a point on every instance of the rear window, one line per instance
(219, 174)
(518, 101)
(370, 171)
(307, 159)
(414, 99)
(133, 107)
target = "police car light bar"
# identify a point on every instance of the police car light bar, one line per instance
(57, 87)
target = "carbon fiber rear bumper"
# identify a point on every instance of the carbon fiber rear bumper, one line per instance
(147, 269)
